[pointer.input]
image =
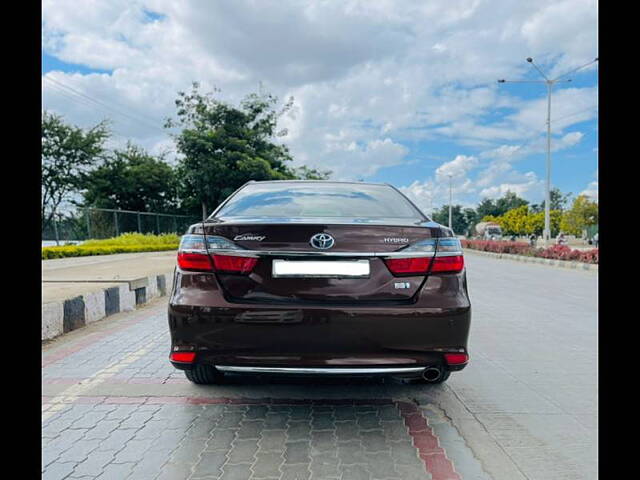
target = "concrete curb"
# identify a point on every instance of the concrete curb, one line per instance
(544, 261)
(63, 316)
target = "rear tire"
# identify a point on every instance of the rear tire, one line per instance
(204, 375)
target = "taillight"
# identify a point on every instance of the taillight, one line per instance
(195, 255)
(453, 263)
(184, 357)
(199, 262)
(405, 266)
(234, 263)
(456, 358)
(445, 256)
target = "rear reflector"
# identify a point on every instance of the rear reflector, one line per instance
(448, 264)
(184, 357)
(234, 263)
(456, 358)
(194, 261)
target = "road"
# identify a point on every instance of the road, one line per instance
(525, 407)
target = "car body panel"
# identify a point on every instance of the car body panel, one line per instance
(380, 320)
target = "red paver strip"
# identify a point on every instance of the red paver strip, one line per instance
(62, 381)
(161, 400)
(90, 400)
(117, 381)
(426, 442)
(126, 400)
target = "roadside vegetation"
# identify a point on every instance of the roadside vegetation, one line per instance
(517, 217)
(125, 243)
(219, 147)
(554, 252)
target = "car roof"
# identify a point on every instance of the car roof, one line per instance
(250, 182)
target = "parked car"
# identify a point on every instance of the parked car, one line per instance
(319, 277)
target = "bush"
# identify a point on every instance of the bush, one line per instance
(555, 252)
(125, 243)
(135, 239)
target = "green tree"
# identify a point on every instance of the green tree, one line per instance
(583, 214)
(487, 207)
(536, 222)
(459, 221)
(510, 201)
(68, 152)
(224, 146)
(558, 201)
(514, 221)
(132, 179)
(499, 206)
(471, 218)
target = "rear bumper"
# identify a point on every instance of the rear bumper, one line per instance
(319, 337)
(324, 336)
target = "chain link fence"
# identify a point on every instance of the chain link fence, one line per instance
(95, 223)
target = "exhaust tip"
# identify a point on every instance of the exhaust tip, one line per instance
(432, 374)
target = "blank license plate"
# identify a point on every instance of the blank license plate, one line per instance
(314, 268)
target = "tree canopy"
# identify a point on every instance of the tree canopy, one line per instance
(224, 146)
(68, 152)
(132, 179)
(583, 214)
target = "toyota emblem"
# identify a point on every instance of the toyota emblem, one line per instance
(322, 241)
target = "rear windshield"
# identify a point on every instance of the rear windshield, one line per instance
(318, 200)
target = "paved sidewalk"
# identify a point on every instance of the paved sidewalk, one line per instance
(114, 408)
(81, 290)
(526, 407)
(64, 278)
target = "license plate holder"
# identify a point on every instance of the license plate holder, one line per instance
(320, 268)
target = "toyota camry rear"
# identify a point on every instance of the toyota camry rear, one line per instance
(319, 277)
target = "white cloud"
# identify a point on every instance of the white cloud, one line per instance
(369, 79)
(591, 191)
(457, 167)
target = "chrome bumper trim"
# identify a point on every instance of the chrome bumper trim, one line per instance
(320, 370)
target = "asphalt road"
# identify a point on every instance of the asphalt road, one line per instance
(525, 407)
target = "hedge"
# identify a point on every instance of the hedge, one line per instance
(125, 243)
(555, 252)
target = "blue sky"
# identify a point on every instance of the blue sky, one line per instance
(406, 96)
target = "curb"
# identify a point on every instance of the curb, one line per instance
(66, 315)
(544, 261)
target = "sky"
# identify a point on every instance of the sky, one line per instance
(403, 92)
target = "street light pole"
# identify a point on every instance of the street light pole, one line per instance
(450, 198)
(549, 83)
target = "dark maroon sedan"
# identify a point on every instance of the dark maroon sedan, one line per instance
(319, 277)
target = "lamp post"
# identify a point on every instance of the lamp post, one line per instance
(450, 197)
(549, 83)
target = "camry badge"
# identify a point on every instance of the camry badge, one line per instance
(322, 241)
(249, 236)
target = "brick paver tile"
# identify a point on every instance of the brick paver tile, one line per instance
(351, 452)
(94, 464)
(243, 451)
(210, 465)
(297, 452)
(116, 471)
(221, 439)
(267, 465)
(58, 471)
(240, 471)
(295, 472)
